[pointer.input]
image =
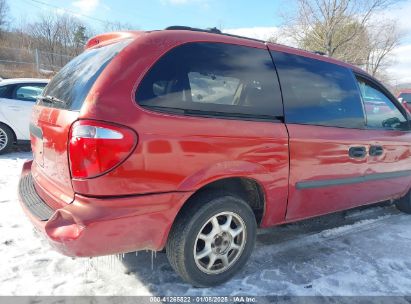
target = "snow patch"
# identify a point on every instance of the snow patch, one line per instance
(358, 253)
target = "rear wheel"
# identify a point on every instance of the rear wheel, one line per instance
(404, 203)
(6, 138)
(212, 239)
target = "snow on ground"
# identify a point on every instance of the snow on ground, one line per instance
(359, 252)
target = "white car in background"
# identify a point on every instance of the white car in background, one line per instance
(17, 98)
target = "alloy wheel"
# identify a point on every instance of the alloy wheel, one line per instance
(220, 243)
(3, 139)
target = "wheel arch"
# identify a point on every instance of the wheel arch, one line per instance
(248, 189)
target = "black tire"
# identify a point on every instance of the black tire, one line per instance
(192, 220)
(404, 203)
(6, 134)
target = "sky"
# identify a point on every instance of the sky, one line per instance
(158, 14)
(252, 18)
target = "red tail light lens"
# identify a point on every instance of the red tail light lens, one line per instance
(97, 147)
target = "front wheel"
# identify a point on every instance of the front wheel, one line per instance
(212, 239)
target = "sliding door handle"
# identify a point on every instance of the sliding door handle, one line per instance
(357, 152)
(376, 150)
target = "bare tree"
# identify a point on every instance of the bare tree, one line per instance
(58, 37)
(74, 35)
(119, 26)
(4, 10)
(384, 38)
(343, 29)
(21, 38)
(353, 51)
(323, 20)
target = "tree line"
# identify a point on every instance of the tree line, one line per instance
(58, 36)
(52, 33)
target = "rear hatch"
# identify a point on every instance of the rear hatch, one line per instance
(55, 112)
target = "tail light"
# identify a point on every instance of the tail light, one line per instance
(96, 147)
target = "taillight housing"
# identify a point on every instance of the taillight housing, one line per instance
(97, 147)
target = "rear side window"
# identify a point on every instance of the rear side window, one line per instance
(318, 93)
(213, 79)
(69, 88)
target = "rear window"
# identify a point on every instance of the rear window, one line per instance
(213, 79)
(69, 88)
(406, 97)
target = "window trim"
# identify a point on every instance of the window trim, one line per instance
(283, 118)
(209, 114)
(379, 86)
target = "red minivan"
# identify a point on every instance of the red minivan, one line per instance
(189, 140)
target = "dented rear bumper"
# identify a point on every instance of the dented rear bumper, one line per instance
(101, 226)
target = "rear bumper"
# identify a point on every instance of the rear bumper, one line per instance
(102, 226)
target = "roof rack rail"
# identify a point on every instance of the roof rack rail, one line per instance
(188, 28)
(212, 30)
(215, 30)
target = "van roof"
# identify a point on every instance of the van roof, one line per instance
(187, 34)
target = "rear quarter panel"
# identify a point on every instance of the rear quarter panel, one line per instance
(51, 167)
(180, 153)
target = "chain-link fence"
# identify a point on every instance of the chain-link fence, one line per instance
(30, 63)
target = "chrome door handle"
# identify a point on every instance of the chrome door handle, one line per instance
(357, 152)
(376, 150)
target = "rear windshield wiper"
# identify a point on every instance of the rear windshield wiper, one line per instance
(50, 99)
